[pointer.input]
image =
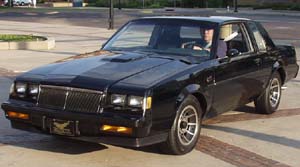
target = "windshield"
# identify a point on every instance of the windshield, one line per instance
(175, 37)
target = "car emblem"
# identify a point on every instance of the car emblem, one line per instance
(61, 126)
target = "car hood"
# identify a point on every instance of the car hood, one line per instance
(99, 72)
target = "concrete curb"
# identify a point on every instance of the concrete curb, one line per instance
(48, 44)
(61, 4)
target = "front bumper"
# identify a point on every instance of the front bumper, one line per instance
(88, 125)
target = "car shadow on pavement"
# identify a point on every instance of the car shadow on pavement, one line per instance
(50, 143)
(148, 149)
(246, 109)
(258, 136)
(59, 144)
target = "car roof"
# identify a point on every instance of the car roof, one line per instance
(215, 19)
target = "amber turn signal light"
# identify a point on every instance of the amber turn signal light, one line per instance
(12, 114)
(116, 129)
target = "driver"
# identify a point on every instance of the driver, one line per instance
(207, 36)
(204, 44)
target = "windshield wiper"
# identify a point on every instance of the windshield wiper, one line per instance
(172, 58)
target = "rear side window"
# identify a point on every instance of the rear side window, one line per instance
(260, 41)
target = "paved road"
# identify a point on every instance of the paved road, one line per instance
(238, 138)
(280, 26)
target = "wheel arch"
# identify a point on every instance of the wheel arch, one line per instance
(202, 100)
(282, 74)
(196, 91)
(278, 67)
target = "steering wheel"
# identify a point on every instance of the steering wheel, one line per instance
(192, 45)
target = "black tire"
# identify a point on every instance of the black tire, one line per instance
(175, 144)
(263, 104)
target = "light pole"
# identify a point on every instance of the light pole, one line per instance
(120, 5)
(235, 6)
(10, 3)
(111, 15)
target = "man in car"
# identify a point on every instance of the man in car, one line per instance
(207, 36)
(206, 43)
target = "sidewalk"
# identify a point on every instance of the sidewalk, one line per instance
(245, 139)
(70, 41)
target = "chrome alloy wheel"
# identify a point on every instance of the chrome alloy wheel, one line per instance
(274, 92)
(188, 125)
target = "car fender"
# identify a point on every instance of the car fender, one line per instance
(195, 89)
(279, 67)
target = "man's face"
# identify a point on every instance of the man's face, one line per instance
(208, 35)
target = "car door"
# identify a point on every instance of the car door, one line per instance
(236, 80)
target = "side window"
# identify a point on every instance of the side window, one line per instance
(260, 41)
(236, 37)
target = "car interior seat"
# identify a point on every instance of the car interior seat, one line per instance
(228, 36)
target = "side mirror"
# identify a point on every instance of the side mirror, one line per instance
(233, 53)
(269, 48)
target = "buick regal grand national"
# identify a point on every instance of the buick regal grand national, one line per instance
(158, 79)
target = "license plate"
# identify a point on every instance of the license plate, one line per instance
(62, 127)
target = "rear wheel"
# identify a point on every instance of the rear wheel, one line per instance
(185, 131)
(269, 101)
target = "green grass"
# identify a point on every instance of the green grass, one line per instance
(279, 6)
(19, 38)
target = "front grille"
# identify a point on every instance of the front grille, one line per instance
(50, 97)
(69, 99)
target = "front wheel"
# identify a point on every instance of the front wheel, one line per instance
(269, 101)
(185, 131)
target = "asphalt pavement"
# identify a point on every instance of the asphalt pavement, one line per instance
(237, 138)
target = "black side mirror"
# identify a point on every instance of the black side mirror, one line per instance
(233, 53)
(269, 48)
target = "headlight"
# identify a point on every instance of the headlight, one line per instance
(21, 88)
(135, 101)
(138, 101)
(12, 89)
(33, 90)
(132, 101)
(118, 99)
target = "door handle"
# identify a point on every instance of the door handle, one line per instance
(258, 61)
(210, 79)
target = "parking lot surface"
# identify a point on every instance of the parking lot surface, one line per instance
(236, 138)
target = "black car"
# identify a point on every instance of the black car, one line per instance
(160, 77)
